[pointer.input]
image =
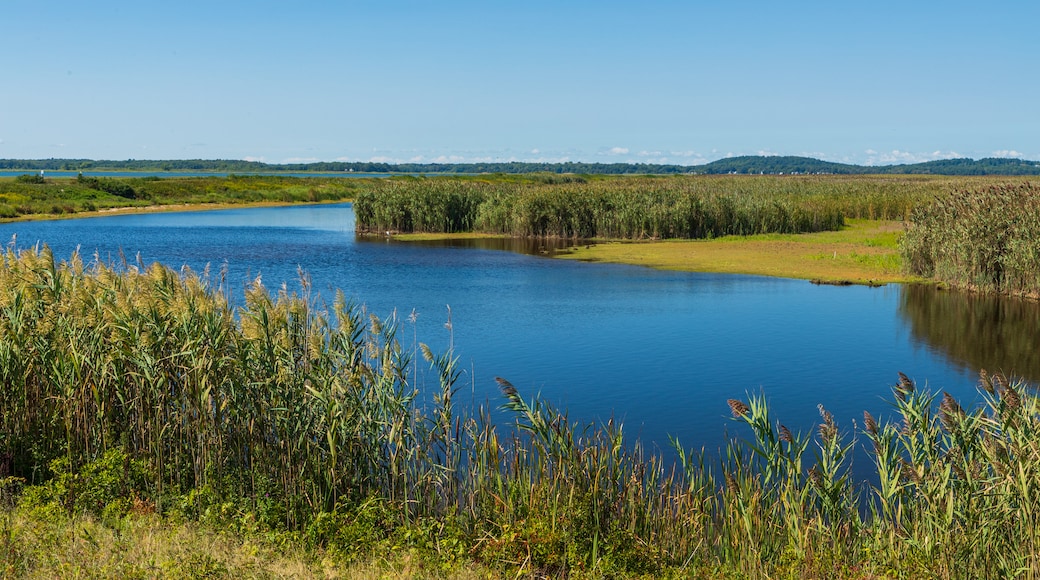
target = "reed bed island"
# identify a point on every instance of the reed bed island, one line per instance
(821, 227)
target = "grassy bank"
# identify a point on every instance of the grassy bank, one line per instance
(32, 197)
(864, 252)
(141, 394)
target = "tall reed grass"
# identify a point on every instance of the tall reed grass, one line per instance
(301, 418)
(639, 207)
(987, 239)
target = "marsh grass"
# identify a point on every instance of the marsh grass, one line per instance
(644, 207)
(135, 392)
(985, 238)
(69, 196)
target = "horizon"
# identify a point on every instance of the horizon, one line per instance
(701, 164)
(665, 82)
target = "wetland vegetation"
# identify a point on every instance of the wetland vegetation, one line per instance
(282, 436)
(33, 196)
(132, 394)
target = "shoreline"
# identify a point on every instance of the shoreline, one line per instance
(161, 208)
(865, 252)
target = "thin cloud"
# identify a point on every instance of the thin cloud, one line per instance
(897, 157)
(617, 151)
(1011, 153)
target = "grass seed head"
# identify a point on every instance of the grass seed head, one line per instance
(985, 382)
(1010, 397)
(828, 429)
(870, 424)
(950, 412)
(738, 408)
(905, 386)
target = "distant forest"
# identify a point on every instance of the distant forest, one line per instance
(755, 164)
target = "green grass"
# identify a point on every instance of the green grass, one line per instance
(295, 432)
(863, 252)
(64, 197)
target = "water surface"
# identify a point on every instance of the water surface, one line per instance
(661, 351)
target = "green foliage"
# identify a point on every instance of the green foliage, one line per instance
(641, 207)
(769, 164)
(30, 178)
(986, 239)
(677, 207)
(87, 193)
(105, 487)
(133, 391)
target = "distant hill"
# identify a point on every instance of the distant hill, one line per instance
(803, 165)
(753, 164)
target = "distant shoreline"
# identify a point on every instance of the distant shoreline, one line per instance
(743, 165)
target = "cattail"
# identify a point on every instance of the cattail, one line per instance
(738, 408)
(785, 434)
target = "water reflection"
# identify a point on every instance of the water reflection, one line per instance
(976, 331)
(530, 246)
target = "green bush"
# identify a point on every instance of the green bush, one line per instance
(105, 487)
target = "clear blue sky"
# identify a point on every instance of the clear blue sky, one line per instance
(655, 81)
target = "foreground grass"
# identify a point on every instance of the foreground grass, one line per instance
(864, 252)
(42, 543)
(290, 439)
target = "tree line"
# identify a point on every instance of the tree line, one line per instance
(752, 164)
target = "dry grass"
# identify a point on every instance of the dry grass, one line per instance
(47, 545)
(863, 252)
(140, 546)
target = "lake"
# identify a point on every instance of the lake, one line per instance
(660, 351)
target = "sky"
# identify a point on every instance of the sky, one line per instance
(652, 81)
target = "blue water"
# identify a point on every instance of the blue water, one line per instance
(661, 351)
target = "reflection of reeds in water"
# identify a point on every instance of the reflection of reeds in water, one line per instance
(976, 330)
(292, 417)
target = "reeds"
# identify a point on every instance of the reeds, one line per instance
(285, 415)
(639, 207)
(987, 239)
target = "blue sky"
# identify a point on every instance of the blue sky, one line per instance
(651, 81)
